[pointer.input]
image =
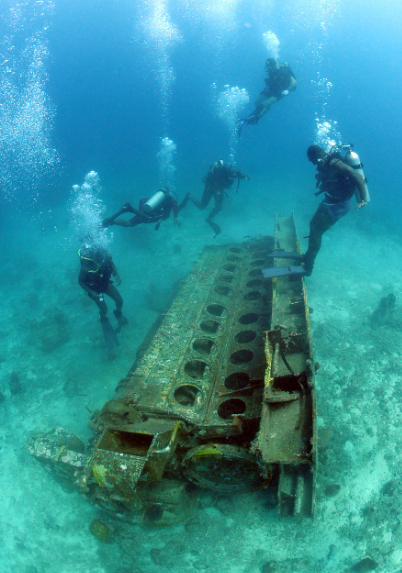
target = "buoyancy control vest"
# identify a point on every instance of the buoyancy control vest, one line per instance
(221, 176)
(97, 262)
(336, 185)
(279, 80)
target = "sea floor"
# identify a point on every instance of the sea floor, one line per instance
(358, 519)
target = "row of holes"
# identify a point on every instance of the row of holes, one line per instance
(196, 368)
(188, 395)
(205, 345)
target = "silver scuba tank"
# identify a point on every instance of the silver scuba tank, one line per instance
(155, 201)
(352, 159)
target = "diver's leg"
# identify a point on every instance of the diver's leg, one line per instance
(263, 105)
(218, 204)
(205, 199)
(99, 303)
(126, 208)
(137, 220)
(217, 208)
(319, 224)
(116, 296)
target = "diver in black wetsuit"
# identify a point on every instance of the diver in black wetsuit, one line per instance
(280, 81)
(219, 178)
(97, 268)
(153, 209)
(339, 182)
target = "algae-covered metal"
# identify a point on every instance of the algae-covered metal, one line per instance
(221, 396)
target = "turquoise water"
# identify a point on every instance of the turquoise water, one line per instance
(97, 86)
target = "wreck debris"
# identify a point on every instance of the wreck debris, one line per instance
(216, 398)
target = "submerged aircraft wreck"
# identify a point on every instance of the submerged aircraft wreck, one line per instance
(221, 397)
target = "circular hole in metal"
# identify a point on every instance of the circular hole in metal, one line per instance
(245, 336)
(222, 289)
(258, 263)
(252, 295)
(255, 283)
(195, 368)
(241, 356)
(203, 345)
(210, 326)
(235, 250)
(248, 318)
(237, 380)
(186, 395)
(255, 273)
(216, 309)
(230, 268)
(226, 278)
(231, 407)
(233, 258)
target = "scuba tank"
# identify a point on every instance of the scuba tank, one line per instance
(155, 201)
(352, 159)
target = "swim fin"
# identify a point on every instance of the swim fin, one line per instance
(291, 271)
(239, 126)
(109, 334)
(121, 319)
(286, 255)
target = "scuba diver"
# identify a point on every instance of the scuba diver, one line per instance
(153, 209)
(96, 270)
(219, 178)
(339, 178)
(279, 82)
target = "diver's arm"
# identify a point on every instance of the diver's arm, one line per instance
(292, 84)
(362, 194)
(175, 209)
(115, 272)
(234, 174)
(241, 175)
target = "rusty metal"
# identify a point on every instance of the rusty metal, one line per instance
(287, 434)
(216, 399)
